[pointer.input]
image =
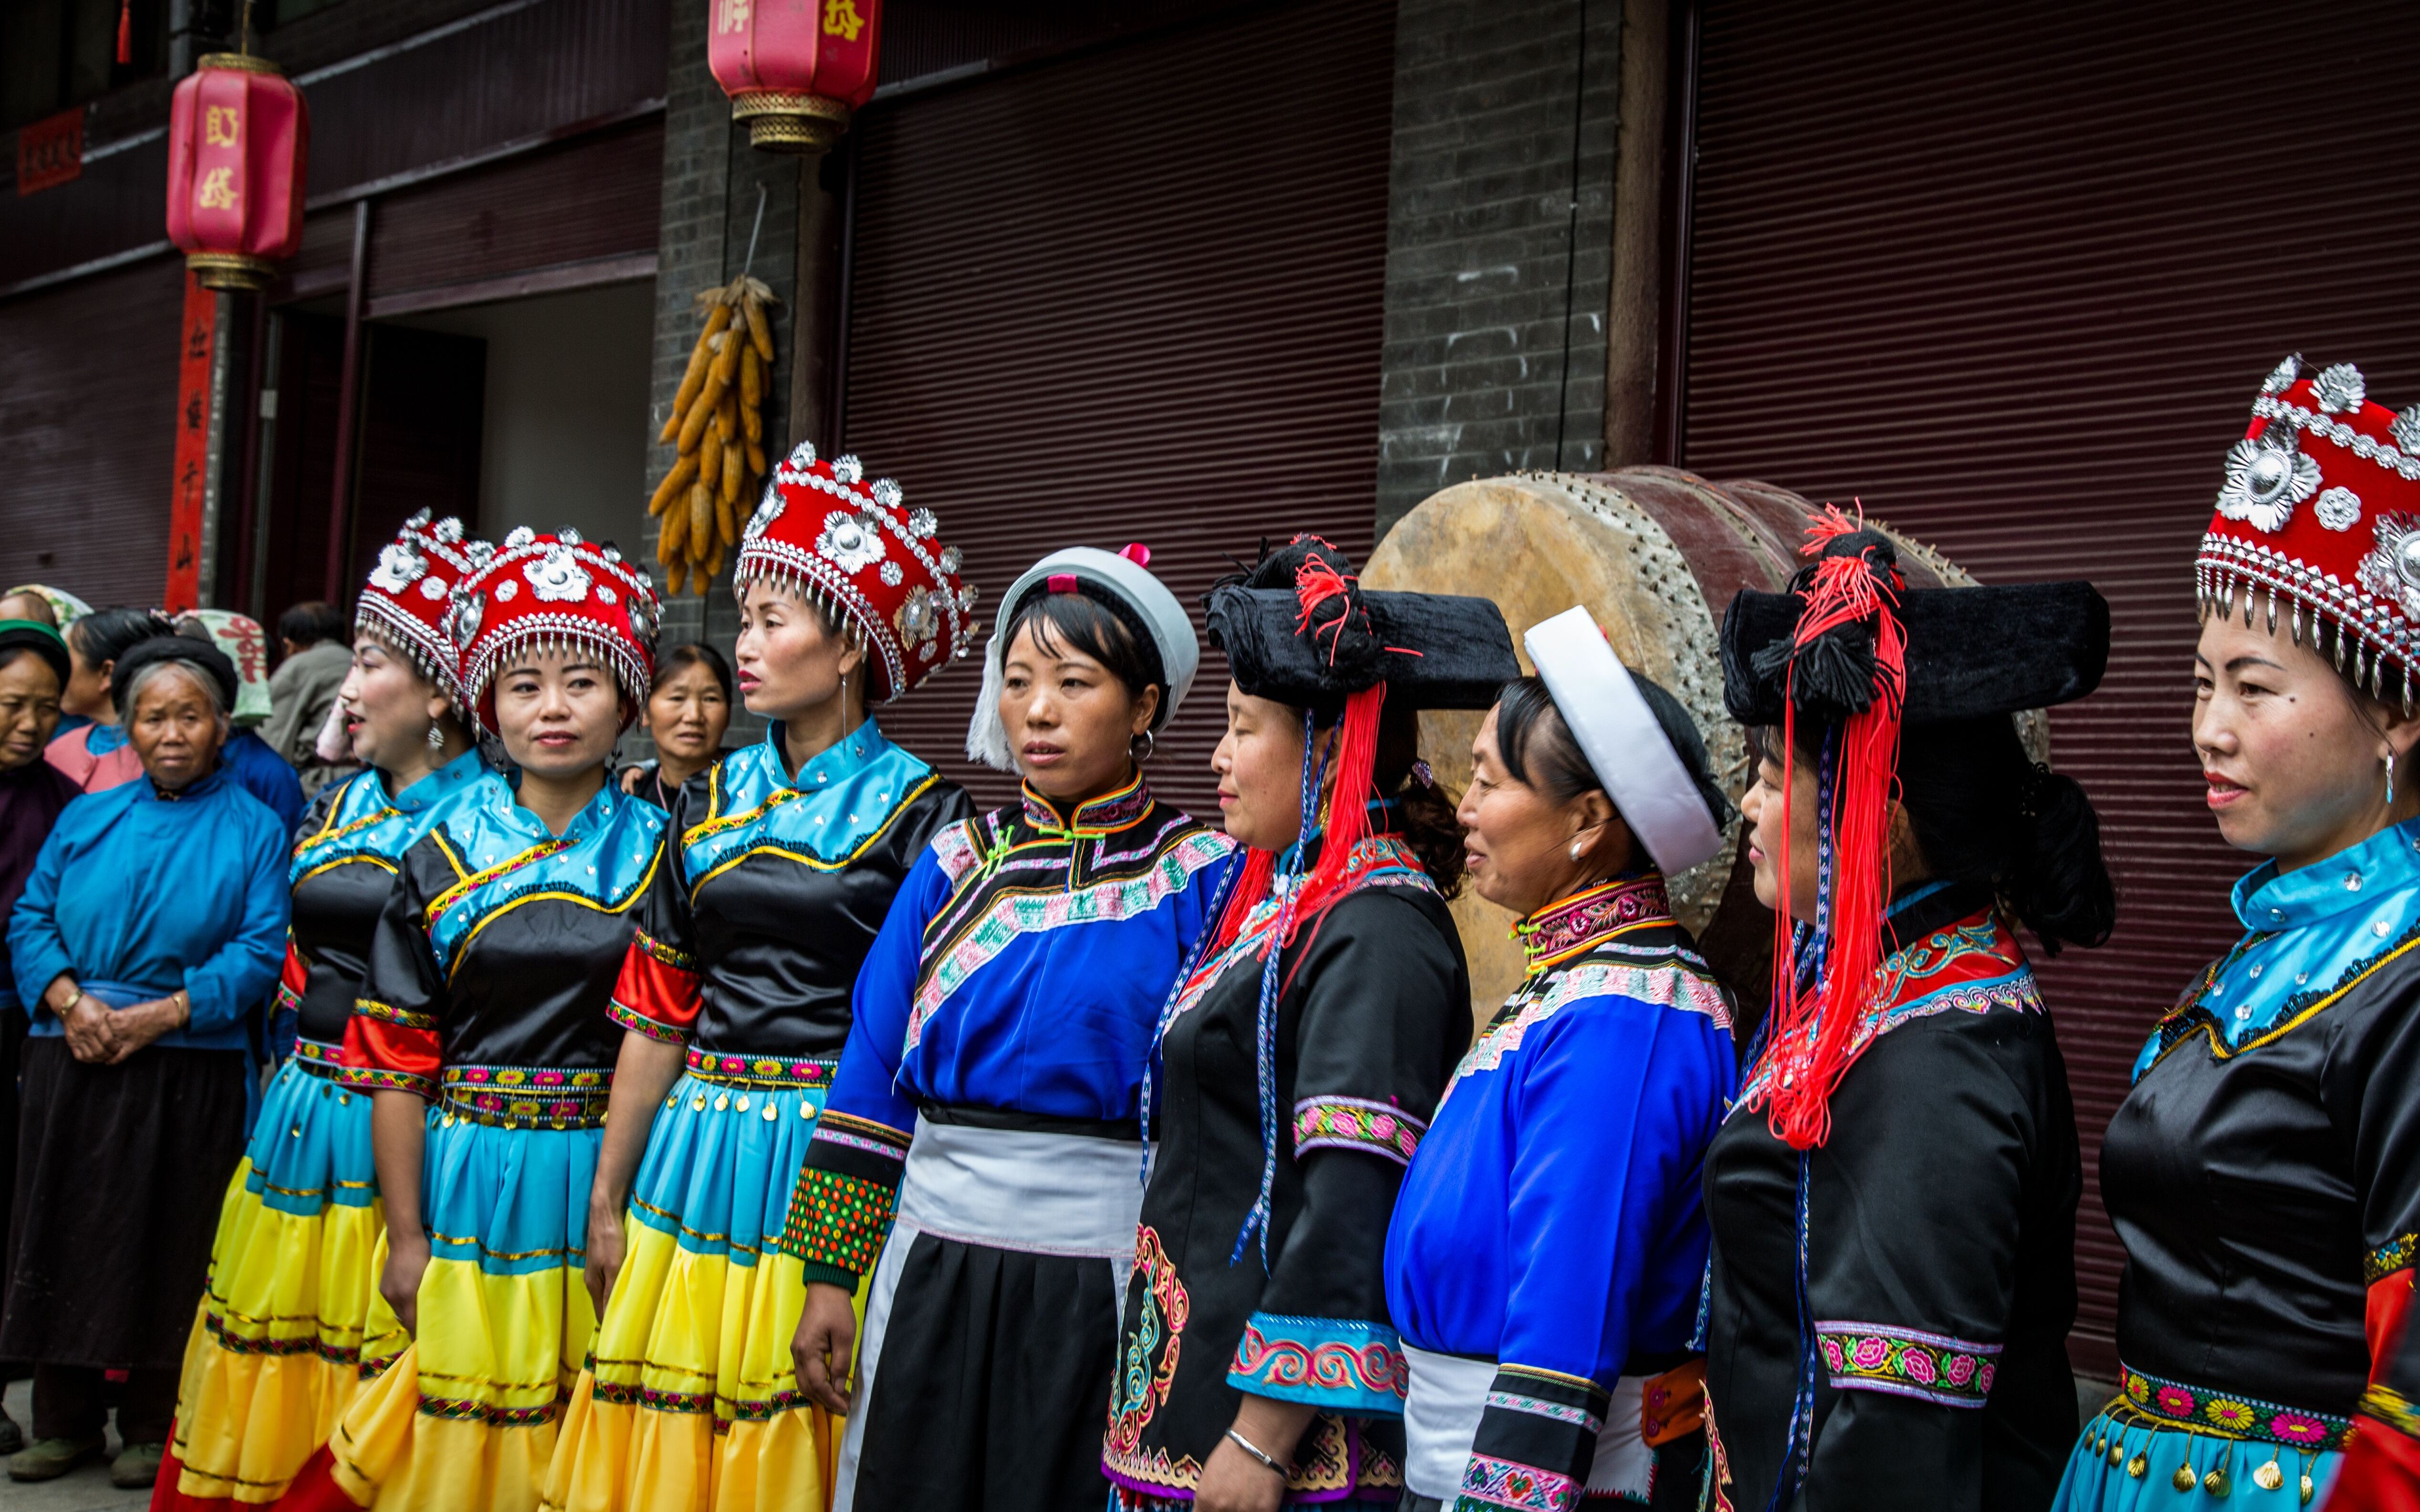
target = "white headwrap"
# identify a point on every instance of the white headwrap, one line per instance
(1172, 635)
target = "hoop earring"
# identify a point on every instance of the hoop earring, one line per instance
(1148, 744)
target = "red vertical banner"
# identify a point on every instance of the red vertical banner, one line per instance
(194, 337)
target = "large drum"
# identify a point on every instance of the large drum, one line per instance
(1656, 554)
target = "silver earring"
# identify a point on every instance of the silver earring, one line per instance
(1575, 849)
(1142, 747)
(436, 736)
(2388, 761)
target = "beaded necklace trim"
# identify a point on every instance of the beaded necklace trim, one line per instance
(1560, 931)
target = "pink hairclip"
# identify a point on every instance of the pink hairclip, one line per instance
(1136, 553)
(1063, 583)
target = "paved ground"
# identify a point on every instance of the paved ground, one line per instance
(85, 1490)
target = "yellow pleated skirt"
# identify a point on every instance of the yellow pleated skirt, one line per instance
(276, 1353)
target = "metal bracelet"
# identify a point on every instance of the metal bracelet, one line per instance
(1258, 1452)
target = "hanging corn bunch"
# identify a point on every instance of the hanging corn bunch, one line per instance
(718, 423)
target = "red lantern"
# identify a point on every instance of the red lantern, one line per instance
(237, 134)
(795, 69)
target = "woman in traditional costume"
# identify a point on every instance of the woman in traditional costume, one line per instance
(1546, 1258)
(980, 1152)
(1303, 1053)
(482, 1035)
(1893, 1196)
(150, 926)
(275, 1354)
(2264, 1169)
(785, 861)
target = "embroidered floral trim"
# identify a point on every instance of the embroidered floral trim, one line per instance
(1578, 1417)
(1142, 1386)
(1378, 1129)
(370, 1008)
(673, 956)
(1490, 1482)
(1342, 1364)
(623, 1016)
(527, 1097)
(954, 849)
(761, 1071)
(1121, 810)
(244, 1340)
(1016, 913)
(2392, 1408)
(373, 1079)
(2389, 1258)
(838, 1220)
(848, 1130)
(2177, 1404)
(1560, 931)
(1540, 998)
(1334, 1460)
(317, 1057)
(501, 1417)
(1906, 1362)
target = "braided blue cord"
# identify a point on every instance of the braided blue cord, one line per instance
(1168, 1008)
(1258, 1219)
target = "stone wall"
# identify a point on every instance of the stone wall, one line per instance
(1499, 236)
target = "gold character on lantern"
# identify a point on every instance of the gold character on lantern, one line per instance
(840, 19)
(219, 126)
(218, 190)
(731, 15)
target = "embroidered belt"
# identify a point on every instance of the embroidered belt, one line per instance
(2173, 1404)
(762, 1071)
(318, 1058)
(526, 1097)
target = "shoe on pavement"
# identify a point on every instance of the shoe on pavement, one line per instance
(50, 1459)
(136, 1466)
(13, 1438)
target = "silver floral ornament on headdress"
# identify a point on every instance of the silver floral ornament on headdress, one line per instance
(2405, 428)
(2283, 376)
(557, 576)
(641, 608)
(432, 587)
(521, 536)
(920, 524)
(847, 469)
(2338, 508)
(886, 493)
(2339, 388)
(2392, 569)
(918, 618)
(849, 543)
(2266, 477)
(449, 529)
(767, 513)
(399, 565)
(462, 620)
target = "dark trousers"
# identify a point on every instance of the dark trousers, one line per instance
(71, 1401)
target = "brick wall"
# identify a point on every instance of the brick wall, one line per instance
(1499, 234)
(711, 178)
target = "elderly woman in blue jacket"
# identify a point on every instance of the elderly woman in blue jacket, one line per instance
(153, 921)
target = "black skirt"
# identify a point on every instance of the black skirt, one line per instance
(120, 1171)
(993, 1384)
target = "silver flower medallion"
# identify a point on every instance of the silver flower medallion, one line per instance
(886, 493)
(950, 560)
(642, 616)
(2405, 428)
(604, 594)
(449, 529)
(419, 520)
(507, 590)
(891, 574)
(847, 469)
(2338, 508)
(2266, 478)
(2339, 388)
(2392, 569)
(2282, 377)
(469, 608)
(848, 543)
(399, 565)
(521, 536)
(918, 618)
(557, 576)
(432, 587)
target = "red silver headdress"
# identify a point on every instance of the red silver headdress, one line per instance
(856, 549)
(410, 591)
(555, 592)
(2320, 511)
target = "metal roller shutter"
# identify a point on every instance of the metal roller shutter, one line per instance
(87, 422)
(1116, 297)
(2012, 275)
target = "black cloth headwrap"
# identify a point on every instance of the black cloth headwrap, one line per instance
(1970, 650)
(209, 657)
(1434, 650)
(39, 639)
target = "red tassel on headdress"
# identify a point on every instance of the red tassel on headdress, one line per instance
(125, 32)
(1809, 1037)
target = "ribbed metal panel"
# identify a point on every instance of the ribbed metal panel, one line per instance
(2014, 275)
(1118, 298)
(597, 197)
(87, 421)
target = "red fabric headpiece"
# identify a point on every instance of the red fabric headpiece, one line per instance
(2321, 509)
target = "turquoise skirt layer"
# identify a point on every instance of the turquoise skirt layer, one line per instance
(310, 1146)
(2125, 1464)
(513, 1201)
(725, 1151)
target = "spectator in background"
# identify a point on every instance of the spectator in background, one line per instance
(315, 655)
(154, 918)
(687, 714)
(33, 670)
(264, 773)
(89, 746)
(25, 604)
(64, 609)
